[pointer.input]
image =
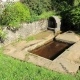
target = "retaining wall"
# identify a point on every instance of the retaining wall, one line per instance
(26, 30)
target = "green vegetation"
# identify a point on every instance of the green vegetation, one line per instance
(37, 7)
(28, 11)
(13, 14)
(33, 10)
(13, 69)
(74, 16)
(71, 18)
(76, 2)
(69, 10)
(30, 38)
(2, 35)
(46, 15)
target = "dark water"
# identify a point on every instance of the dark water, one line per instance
(51, 50)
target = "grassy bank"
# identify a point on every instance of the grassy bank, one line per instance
(12, 69)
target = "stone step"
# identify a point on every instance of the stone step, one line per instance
(69, 37)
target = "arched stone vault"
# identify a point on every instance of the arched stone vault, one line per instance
(54, 23)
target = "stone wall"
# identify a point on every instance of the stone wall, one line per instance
(26, 30)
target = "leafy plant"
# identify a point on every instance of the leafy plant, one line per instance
(37, 7)
(46, 15)
(2, 35)
(33, 18)
(76, 2)
(15, 13)
(20, 38)
(30, 38)
(71, 17)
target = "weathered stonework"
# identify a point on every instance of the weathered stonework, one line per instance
(26, 30)
(68, 37)
(54, 23)
(58, 22)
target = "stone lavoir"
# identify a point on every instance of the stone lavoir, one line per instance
(51, 50)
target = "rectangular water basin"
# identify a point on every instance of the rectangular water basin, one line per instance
(51, 50)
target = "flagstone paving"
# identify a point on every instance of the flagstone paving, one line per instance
(69, 37)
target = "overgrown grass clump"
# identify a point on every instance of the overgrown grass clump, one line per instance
(30, 38)
(13, 69)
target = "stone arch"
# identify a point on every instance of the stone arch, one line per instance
(52, 22)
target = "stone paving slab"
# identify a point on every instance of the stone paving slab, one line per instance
(55, 66)
(24, 44)
(19, 50)
(67, 65)
(9, 49)
(75, 56)
(62, 63)
(38, 60)
(72, 53)
(18, 55)
(44, 41)
(69, 37)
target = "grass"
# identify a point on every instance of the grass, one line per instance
(13, 69)
(46, 15)
(30, 38)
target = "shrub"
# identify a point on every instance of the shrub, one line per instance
(71, 17)
(46, 14)
(76, 2)
(15, 13)
(62, 6)
(32, 19)
(74, 16)
(37, 7)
